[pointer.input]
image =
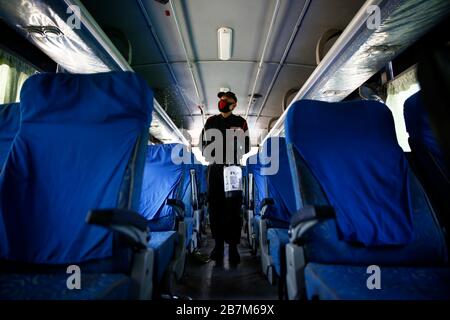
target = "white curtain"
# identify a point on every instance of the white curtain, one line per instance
(13, 73)
(399, 90)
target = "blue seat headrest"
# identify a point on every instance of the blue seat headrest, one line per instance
(352, 151)
(162, 179)
(278, 179)
(76, 141)
(85, 98)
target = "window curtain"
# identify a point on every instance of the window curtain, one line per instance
(13, 73)
(399, 90)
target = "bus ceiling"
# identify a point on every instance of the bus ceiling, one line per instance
(379, 31)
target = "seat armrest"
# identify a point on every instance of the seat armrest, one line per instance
(266, 203)
(306, 218)
(126, 222)
(178, 206)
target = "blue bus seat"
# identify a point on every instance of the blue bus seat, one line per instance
(15, 286)
(427, 157)
(277, 238)
(163, 243)
(80, 148)
(258, 193)
(166, 180)
(341, 282)
(189, 195)
(345, 157)
(197, 193)
(276, 214)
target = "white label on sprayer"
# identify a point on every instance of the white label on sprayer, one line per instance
(232, 177)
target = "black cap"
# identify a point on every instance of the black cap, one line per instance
(227, 94)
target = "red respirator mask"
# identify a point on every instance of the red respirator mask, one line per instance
(224, 106)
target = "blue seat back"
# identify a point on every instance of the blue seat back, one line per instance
(259, 185)
(427, 248)
(279, 185)
(164, 178)
(427, 157)
(80, 147)
(346, 155)
(9, 126)
(351, 149)
(420, 132)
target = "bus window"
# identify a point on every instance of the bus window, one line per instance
(13, 73)
(399, 90)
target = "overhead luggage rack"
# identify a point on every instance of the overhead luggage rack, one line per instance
(79, 47)
(365, 47)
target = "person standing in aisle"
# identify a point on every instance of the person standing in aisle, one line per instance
(224, 210)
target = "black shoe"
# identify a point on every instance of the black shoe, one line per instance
(217, 254)
(233, 255)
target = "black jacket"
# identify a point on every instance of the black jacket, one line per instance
(230, 124)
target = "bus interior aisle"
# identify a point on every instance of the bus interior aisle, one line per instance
(222, 281)
(197, 151)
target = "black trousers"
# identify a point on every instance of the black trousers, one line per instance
(224, 213)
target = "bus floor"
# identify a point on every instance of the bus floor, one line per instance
(212, 281)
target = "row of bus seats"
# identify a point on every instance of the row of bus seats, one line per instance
(361, 209)
(165, 204)
(270, 206)
(276, 210)
(356, 209)
(84, 201)
(199, 200)
(254, 194)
